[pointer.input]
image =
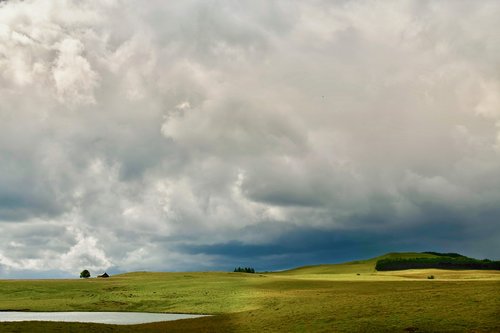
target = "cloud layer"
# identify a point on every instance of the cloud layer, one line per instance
(210, 134)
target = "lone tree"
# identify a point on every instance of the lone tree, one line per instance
(85, 274)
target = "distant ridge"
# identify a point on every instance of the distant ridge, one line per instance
(409, 259)
(451, 254)
(440, 261)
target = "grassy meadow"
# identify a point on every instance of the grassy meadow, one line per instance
(349, 297)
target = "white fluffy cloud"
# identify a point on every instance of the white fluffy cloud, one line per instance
(135, 130)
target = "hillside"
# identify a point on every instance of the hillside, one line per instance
(308, 299)
(355, 267)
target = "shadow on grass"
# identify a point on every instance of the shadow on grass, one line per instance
(221, 323)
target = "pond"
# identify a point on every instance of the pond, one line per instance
(117, 318)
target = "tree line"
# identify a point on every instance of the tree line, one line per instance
(449, 254)
(442, 262)
(244, 270)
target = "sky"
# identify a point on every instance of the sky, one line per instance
(205, 135)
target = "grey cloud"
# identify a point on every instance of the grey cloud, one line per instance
(153, 133)
(307, 245)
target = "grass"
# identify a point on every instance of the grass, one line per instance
(326, 298)
(359, 266)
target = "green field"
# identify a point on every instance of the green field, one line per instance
(349, 297)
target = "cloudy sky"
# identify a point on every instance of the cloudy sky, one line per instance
(204, 135)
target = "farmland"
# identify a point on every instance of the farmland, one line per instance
(326, 298)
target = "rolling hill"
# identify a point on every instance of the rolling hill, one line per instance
(398, 261)
(321, 298)
(358, 266)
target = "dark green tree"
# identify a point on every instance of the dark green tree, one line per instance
(85, 274)
(244, 270)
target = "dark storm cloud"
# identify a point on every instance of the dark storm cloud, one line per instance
(306, 246)
(161, 135)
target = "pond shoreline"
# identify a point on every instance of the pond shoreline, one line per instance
(102, 317)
